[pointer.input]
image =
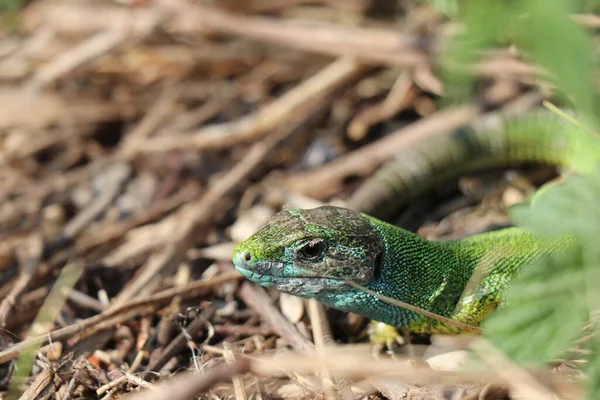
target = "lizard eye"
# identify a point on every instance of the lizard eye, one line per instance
(312, 250)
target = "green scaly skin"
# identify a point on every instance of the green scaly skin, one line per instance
(314, 253)
(463, 280)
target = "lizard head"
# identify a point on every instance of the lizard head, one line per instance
(309, 252)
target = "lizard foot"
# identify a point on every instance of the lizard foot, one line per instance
(384, 336)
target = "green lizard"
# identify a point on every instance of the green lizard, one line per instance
(315, 253)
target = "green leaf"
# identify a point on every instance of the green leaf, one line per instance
(10, 5)
(592, 369)
(548, 35)
(485, 21)
(546, 310)
(549, 302)
(568, 208)
(448, 7)
(554, 40)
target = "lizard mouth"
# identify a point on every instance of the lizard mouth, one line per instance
(276, 270)
(270, 274)
(263, 268)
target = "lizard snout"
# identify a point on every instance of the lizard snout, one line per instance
(242, 259)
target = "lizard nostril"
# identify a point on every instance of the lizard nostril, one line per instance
(243, 259)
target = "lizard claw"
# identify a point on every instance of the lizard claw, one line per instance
(382, 335)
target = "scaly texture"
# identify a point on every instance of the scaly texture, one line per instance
(313, 253)
(540, 137)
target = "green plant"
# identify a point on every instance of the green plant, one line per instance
(550, 303)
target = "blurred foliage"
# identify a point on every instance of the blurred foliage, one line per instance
(11, 5)
(545, 35)
(448, 7)
(9, 14)
(550, 302)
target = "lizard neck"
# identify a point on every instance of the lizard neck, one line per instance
(436, 275)
(417, 271)
(424, 273)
